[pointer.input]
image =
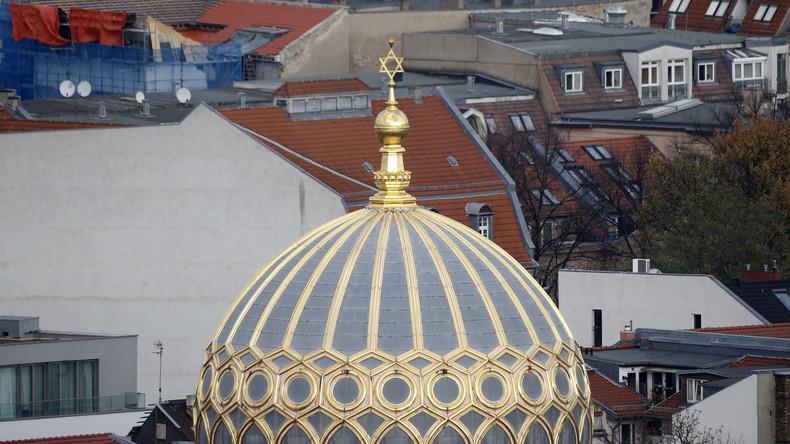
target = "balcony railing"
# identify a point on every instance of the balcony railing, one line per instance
(651, 93)
(676, 91)
(755, 84)
(75, 406)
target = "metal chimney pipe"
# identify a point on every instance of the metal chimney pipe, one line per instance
(470, 83)
(102, 110)
(500, 26)
(146, 108)
(242, 100)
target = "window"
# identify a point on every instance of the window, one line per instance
(299, 106)
(452, 161)
(706, 72)
(765, 13)
(522, 122)
(781, 73)
(597, 152)
(694, 390)
(676, 79)
(484, 226)
(360, 102)
(367, 166)
(491, 124)
(330, 104)
(344, 102)
(748, 74)
(573, 81)
(697, 320)
(43, 389)
(613, 78)
(546, 197)
(314, 105)
(650, 81)
(562, 155)
(717, 8)
(624, 180)
(679, 6)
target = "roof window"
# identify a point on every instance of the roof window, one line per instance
(368, 167)
(522, 122)
(563, 155)
(765, 13)
(679, 6)
(546, 197)
(452, 161)
(597, 152)
(717, 8)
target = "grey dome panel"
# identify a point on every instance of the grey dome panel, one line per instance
(395, 326)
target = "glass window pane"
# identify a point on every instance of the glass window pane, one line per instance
(396, 436)
(396, 391)
(330, 104)
(299, 106)
(8, 391)
(68, 388)
(567, 434)
(85, 381)
(253, 435)
(532, 386)
(747, 71)
(492, 388)
(344, 436)
(495, 435)
(346, 390)
(222, 435)
(299, 390)
(344, 102)
(446, 390)
(537, 435)
(38, 389)
(448, 435)
(295, 436)
(314, 105)
(360, 102)
(257, 387)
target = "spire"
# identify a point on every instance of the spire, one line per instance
(391, 127)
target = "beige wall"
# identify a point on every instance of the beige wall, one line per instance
(320, 51)
(664, 140)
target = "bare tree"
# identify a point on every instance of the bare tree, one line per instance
(687, 429)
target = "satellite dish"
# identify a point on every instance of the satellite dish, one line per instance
(183, 95)
(139, 97)
(84, 89)
(67, 88)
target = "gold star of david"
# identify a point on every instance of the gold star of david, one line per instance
(391, 56)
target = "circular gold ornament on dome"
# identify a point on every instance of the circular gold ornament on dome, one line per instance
(298, 390)
(257, 388)
(205, 385)
(227, 385)
(445, 390)
(346, 391)
(396, 391)
(562, 383)
(532, 387)
(492, 389)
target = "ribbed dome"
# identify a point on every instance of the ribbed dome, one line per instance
(402, 317)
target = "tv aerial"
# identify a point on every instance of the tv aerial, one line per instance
(183, 95)
(84, 89)
(139, 97)
(67, 88)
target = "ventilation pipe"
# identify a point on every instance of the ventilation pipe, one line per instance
(671, 21)
(102, 113)
(500, 26)
(146, 108)
(565, 21)
(470, 83)
(415, 91)
(242, 100)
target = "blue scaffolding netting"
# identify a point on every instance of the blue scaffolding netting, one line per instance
(36, 70)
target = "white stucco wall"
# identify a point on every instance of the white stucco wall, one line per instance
(150, 231)
(666, 301)
(744, 410)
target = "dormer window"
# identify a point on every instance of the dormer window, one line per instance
(765, 13)
(299, 106)
(717, 8)
(482, 218)
(572, 81)
(344, 102)
(706, 72)
(651, 88)
(613, 78)
(522, 122)
(679, 6)
(676, 79)
(330, 104)
(314, 105)
(360, 102)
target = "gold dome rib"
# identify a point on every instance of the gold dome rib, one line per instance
(375, 286)
(411, 282)
(337, 300)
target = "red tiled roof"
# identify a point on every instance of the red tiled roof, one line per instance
(337, 148)
(751, 28)
(723, 88)
(11, 124)
(622, 400)
(99, 438)
(759, 361)
(500, 111)
(617, 346)
(765, 331)
(324, 86)
(667, 407)
(235, 15)
(594, 96)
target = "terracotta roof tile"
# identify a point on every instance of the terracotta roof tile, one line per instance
(11, 124)
(594, 97)
(759, 361)
(667, 407)
(99, 438)
(235, 15)
(723, 88)
(694, 18)
(501, 111)
(333, 151)
(766, 331)
(324, 86)
(622, 400)
(752, 28)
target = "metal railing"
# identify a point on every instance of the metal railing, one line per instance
(74, 406)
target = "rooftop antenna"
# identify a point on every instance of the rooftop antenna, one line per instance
(139, 97)
(159, 350)
(67, 88)
(84, 89)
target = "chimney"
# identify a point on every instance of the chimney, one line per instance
(102, 112)
(565, 21)
(615, 16)
(500, 26)
(750, 275)
(470, 83)
(242, 100)
(146, 111)
(671, 21)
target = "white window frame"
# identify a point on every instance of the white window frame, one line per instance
(522, 122)
(491, 123)
(484, 225)
(765, 13)
(676, 68)
(709, 69)
(653, 82)
(613, 78)
(679, 6)
(739, 68)
(576, 81)
(717, 8)
(694, 390)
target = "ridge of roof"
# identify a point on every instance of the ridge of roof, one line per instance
(618, 399)
(323, 86)
(759, 361)
(96, 438)
(781, 330)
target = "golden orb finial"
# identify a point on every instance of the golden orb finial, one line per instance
(391, 128)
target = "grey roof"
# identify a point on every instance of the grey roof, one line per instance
(766, 297)
(705, 116)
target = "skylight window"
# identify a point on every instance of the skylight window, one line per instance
(452, 161)
(765, 13)
(368, 167)
(522, 122)
(679, 6)
(717, 8)
(546, 197)
(597, 152)
(563, 155)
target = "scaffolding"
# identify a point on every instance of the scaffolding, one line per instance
(36, 70)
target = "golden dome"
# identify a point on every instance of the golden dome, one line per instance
(397, 325)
